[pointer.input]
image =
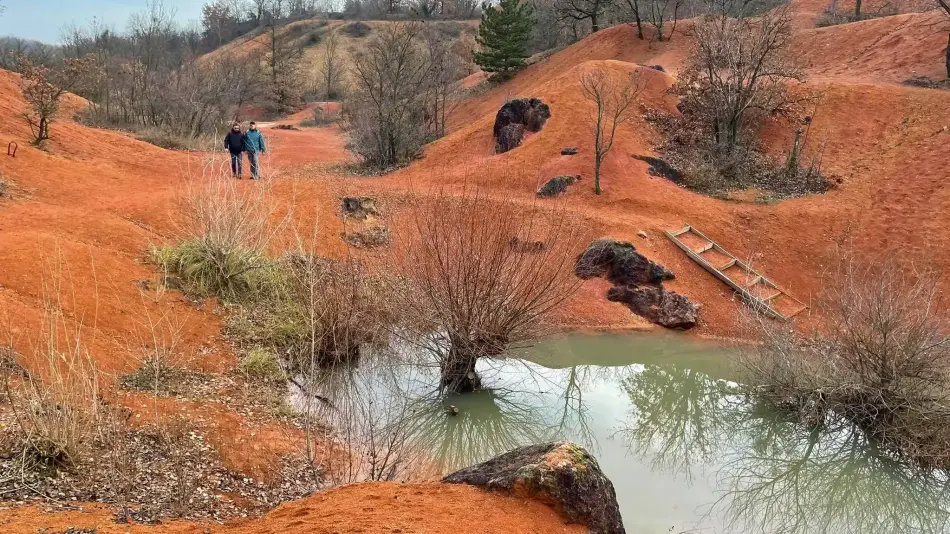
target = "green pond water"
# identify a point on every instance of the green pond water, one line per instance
(684, 451)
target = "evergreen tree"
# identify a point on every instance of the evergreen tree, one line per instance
(503, 37)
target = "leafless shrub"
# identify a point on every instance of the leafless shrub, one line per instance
(881, 361)
(385, 111)
(366, 415)
(612, 101)
(56, 405)
(336, 308)
(470, 294)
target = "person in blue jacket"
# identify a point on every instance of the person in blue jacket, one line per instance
(254, 146)
(234, 143)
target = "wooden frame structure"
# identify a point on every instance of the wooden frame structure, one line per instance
(754, 288)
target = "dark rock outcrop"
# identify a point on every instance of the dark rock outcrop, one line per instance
(529, 113)
(509, 138)
(638, 283)
(562, 474)
(665, 308)
(557, 185)
(359, 207)
(620, 263)
(569, 151)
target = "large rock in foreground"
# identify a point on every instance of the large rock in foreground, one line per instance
(562, 474)
(620, 263)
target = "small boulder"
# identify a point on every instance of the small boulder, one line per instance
(620, 263)
(359, 207)
(643, 235)
(569, 151)
(562, 474)
(374, 237)
(509, 138)
(557, 185)
(665, 308)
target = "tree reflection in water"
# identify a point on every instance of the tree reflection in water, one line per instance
(774, 476)
(400, 403)
(787, 480)
(676, 417)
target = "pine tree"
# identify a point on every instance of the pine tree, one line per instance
(503, 37)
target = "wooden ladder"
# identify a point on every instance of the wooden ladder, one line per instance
(754, 288)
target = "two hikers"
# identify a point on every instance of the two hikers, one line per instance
(252, 142)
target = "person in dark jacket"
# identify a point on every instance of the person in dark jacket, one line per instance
(234, 143)
(254, 146)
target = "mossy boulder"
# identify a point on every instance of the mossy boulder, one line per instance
(562, 474)
(557, 185)
(620, 263)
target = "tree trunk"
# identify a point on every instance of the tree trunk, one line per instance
(597, 160)
(458, 371)
(948, 56)
(857, 10)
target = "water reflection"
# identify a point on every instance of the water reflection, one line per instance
(781, 479)
(770, 474)
(682, 447)
(678, 417)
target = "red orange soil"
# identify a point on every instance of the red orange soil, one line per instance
(366, 508)
(96, 199)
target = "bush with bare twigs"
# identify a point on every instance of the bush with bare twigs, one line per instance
(473, 290)
(56, 407)
(43, 89)
(881, 363)
(740, 73)
(317, 313)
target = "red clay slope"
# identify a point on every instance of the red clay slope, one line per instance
(887, 143)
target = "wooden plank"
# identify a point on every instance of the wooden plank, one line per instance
(761, 304)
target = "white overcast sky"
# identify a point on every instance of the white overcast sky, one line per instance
(43, 20)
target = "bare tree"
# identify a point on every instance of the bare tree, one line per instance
(385, 111)
(284, 59)
(583, 11)
(659, 12)
(612, 101)
(43, 88)
(741, 66)
(331, 68)
(445, 69)
(945, 7)
(634, 7)
(483, 275)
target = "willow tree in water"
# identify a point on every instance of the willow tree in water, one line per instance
(483, 275)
